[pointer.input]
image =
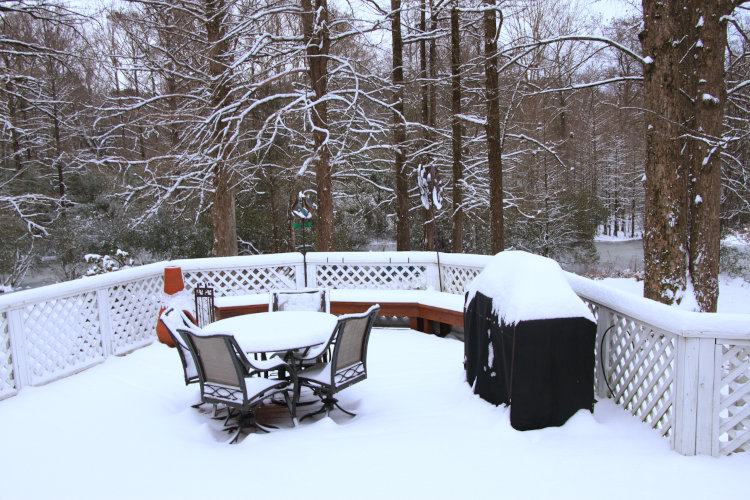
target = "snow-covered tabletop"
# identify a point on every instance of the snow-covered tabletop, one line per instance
(277, 331)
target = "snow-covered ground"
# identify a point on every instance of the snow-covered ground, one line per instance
(125, 429)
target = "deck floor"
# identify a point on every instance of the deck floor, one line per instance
(125, 429)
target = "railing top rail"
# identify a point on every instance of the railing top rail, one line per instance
(464, 259)
(86, 284)
(662, 316)
(91, 283)
(371, 257)
(277, 259)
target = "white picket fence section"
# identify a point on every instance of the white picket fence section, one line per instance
(687, 375)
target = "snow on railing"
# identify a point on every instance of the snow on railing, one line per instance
(687, 375)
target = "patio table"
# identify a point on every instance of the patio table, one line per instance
(279, 331)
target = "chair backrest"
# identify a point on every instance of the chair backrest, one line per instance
(349, 360)
(300, 300)
(174, 320)
(217, 359)
(204, 305)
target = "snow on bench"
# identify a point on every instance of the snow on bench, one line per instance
(422, 306)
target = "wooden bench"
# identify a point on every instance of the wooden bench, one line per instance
(424, 308)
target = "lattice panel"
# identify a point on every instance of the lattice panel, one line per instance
(243, 281)
(640, 371)
(371, 276)
(455, 279)
(7, 377)
(133, 309)
(734, 402)
(62, 335)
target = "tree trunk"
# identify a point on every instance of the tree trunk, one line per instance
(685, 95)
(428, 213)
(705, 171)
(56, 131)
(292, 243)
(223, 211)
(494, 151)
(399, 133)
(273, 198)
(318, 42)
(432, 122)
(457, 139)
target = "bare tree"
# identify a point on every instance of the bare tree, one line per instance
(494, 151)
(403, 242)
(317, 40)
(456, 131)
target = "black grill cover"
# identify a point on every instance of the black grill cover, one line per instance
(543, 368)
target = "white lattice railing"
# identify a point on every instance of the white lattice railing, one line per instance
(732, 397)
(376, 270)
(244, 275)
(687, 375)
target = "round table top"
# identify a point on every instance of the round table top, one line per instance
(277, 331)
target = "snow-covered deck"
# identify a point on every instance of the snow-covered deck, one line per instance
(125, 429)
(683, 374)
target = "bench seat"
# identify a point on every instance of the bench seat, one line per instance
(423, 307)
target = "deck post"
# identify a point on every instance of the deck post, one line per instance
(18, 348)
(300, 276)
(310, 275)
(686, 395)
(695, 372)
(432, 276)
(708, 370)
(105, 321)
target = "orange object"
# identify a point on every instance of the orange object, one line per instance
(173, 280)
(161, 331)
(173, 283)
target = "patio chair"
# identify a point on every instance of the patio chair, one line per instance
(228, 377)
(312, 299)
(348, 363)
(204, 305)
(172, 320)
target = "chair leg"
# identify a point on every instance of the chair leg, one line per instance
(246, 420)
(292, 405)
(215, 412)
(336, 404)
(230, 416)
(329, 402)
(317, 412)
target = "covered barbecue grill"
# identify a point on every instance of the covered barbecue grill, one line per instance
(529, 341)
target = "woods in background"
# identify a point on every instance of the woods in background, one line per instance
(187, 128)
